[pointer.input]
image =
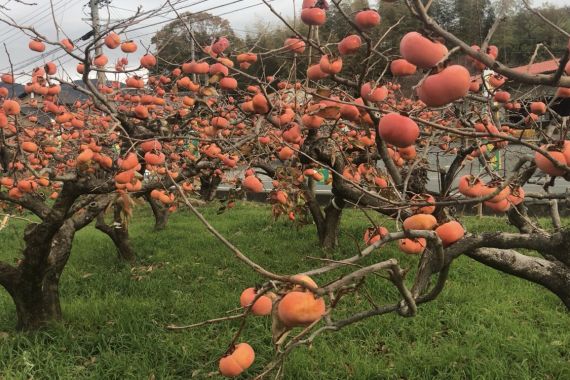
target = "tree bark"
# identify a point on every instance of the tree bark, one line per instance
(37, 300)
(329, 229)
(119, 234)
(160, 214)
(209, 187)
(34, 283)
(553, 276)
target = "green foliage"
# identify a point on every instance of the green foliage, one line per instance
(484, 325)
(517, 38)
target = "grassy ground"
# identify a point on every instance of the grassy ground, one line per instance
(485, 325)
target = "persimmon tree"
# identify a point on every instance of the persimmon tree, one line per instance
(377, 142)
(211, 118)
(68, 163)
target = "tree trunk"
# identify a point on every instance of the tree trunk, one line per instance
(34, 283)
(37, 304)
(209, 187)
(328, 233)
(160, 214)
(119, 234)
(36, 294)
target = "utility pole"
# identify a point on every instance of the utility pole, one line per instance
(192, 54)
(192, 48)
(94, 4)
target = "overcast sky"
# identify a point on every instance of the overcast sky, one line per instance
(72, 15)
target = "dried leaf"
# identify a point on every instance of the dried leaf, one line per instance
(324, 91)
(4, 222)
(279, 331)
(208, 91)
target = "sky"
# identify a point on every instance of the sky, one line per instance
(73, 18)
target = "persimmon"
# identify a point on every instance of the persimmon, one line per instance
(85, 156)
(330, 65)
(546, 165)
(408, 153)
(412, 246)
(538, 108)
(285, 153)
(502, 206)
(148, 61)
(37, 45)
(420, 222)
(503, 193)
(371, 92)
(26, 186)
(15, 193)
(305, 280)
(125, 176)
(101, 60)
(220, 45)
(349, 45)
(238, 361)
(349, 112)
(154, 159)
(220, 122)
(374, 234)
(421, 51)
(11, 107)
(262, 305)
(563, 92)
(6, 182)
(502, 96)
(260, 104)
(228, 83)
(470, 186)
(423, 198)
(246, 57)
(398, 130)
(315, 73)
(450, 232)
(112, 40)
(141, 111)
(300, 309)
(313, 16)
(449, 85)
(516, 195)
(367, 19)
(29, 147)
(253, 184)
(401, 67)
(128, 47)
(219, 68)
(7, 78)
(281, 197)
(312, 121)
(67, 44)
(296, 45)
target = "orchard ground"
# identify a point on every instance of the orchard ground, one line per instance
(485, 324)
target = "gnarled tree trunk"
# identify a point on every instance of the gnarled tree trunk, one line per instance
(119, 234)
(160, 213)
(34, 283)
(329, 229)
(209, 186)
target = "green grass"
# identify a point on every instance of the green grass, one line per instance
(485, 325)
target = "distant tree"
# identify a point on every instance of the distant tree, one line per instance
(519, 35)
(174, 45)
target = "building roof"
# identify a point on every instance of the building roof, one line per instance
(539, 67)
(535, 68)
